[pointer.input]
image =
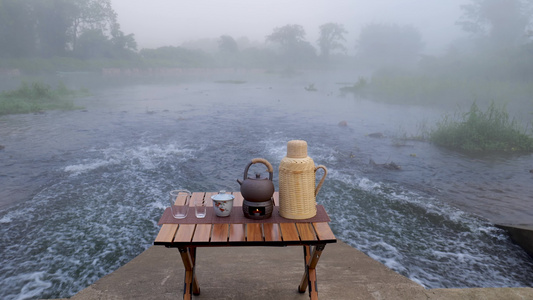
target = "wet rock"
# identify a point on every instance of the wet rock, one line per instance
(389, 166)
(343, 124)
(377, 135)
(310, 88)
(392, 166)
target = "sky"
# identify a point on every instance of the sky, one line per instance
(157, 23)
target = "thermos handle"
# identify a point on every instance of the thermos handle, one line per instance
(323, 177)
(262, 161)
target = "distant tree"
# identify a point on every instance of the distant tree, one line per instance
(53, 27)
(226, 44)
(291, 38)
(91, 15)
(122, 42)
(287, 36)
(502, 22)
(17, 28)
(384, 44)
(331, 37)
(93, 44)
(95, 31)
(53, 21)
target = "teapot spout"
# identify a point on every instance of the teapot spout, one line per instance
(240, 182)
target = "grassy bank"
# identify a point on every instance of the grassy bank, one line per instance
(414, 88)
(37, 97)
(455, 78)
(35, 66)
(491, 130)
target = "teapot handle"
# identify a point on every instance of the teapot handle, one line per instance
(263, 161)
(323, 177)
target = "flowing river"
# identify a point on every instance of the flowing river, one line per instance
(82, 190)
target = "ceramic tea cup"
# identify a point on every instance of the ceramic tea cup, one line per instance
(222, 203)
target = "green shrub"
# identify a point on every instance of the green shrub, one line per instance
(36, 97)
(478, 131)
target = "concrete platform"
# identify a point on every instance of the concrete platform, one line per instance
(272, 273)
(521, 234)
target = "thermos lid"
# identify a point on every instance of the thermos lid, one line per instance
(297, 149)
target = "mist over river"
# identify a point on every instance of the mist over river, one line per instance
(82, 190)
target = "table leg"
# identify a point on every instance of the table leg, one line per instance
(309, 277)
(191, 286)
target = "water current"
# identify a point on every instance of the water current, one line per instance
(82, 190)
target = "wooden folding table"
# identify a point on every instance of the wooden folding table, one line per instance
(188, 234)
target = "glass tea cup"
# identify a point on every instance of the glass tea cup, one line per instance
(179, 203)
(199, 208)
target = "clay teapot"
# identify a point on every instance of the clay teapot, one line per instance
(257, 189)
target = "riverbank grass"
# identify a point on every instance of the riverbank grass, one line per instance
(482, 131)
(37, 97)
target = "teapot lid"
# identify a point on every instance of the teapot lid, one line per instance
(297, 149)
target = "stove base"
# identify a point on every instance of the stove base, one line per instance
(258, 210)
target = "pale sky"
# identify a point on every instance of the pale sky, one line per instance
(158, 23)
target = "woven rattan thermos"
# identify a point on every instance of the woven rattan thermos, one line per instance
(297, 190)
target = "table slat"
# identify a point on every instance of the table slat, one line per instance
(236, 233)
(306, 231)
(166, 233)
(184, 233)
(220, 233)
(180, 199)
(323, 231)
(202, 233)
(207, 199)
(238, 199)
(289, 232)
(196, 195)
(271, 232)
(254, 232)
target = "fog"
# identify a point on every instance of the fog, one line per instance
(166, 22)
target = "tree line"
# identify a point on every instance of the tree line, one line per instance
(58, 28)
(88, 29)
